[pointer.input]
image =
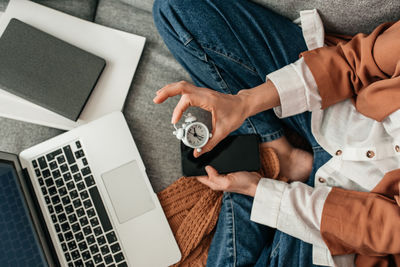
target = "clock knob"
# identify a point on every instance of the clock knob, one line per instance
(190, 118)
(198, 150)
(178, 133)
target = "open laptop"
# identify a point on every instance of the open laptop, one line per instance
(87, 201)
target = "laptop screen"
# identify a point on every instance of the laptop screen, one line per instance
(19, 245)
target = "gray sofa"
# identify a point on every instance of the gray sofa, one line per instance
(149, 123)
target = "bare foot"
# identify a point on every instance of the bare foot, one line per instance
(295, 164)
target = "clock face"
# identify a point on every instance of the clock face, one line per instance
(197, 135)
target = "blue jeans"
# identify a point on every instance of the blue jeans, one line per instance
(227, 46)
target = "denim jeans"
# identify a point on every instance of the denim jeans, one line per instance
(227, 46)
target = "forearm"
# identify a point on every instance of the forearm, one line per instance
(260, 98)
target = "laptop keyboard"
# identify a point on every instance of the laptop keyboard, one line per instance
(79, 217)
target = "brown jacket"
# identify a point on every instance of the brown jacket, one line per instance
(366, 69)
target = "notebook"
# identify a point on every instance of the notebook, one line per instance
(47, 71)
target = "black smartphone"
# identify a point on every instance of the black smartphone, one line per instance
(234, 153)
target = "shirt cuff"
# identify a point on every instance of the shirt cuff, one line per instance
(297, 89)
(267, 202)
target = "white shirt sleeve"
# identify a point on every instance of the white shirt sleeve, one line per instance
(297, 89)
(295, 209)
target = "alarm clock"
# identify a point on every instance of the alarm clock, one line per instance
(193, 133)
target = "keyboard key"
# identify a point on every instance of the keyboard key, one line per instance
(111, 237)
(61, 159)
(79, 154)
(46, 173)
(82, 246)
(89, 264)
(97, 258)
(64, 168)
(87, 203)
(84, 162)
(41, 182)
(70, 185)
(72, 218)
(73, 194)
(56, 174)
(94, 222)
(66, 200)
(44, 190)
(101, 211)
(53, 165)
(53, 218)
(84, 195)
(77, 203)
(77, 177)
(74, 168)
(34, 164)
(90, 239)
(68, 236)
(83, 221)
(81, 186)
(89, 181)
(86, 171)
(97, 231)
(51, 209)
(55, 200)
(37, 172)
(67, 256)
(94, 249)
(101, 240)
(67, 176)
(76, 227)
(75, 254)
(115, 248)
(69, 155)
(87, 230)
(62, 217)
(69, 209)
(80, 212)
(42, 163)
(49, 182)
(62, 191)
(59, 208)
(64, 247)
(78, 144)
(122, 264)
(78, 263)
(65, 226)
(57, 227)
(52, 191)
(91, 212)
(79, 236)
(104, 249)
(108, 259)
(60, 237)
(70, 264)
(86, 255)
(72, 245)
(119, 257)
(54, 154)
(47, 199)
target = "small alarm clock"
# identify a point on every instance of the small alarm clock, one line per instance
(193, 134)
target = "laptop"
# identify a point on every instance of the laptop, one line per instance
(82, 199)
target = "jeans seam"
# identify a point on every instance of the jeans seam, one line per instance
(275, 248)
(232, 59)
(233, 231)
(188, 41)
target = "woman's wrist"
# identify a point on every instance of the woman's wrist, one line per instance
(260, 98)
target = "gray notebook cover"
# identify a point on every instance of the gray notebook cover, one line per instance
(46, 70)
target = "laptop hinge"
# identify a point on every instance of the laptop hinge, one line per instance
(38, 221)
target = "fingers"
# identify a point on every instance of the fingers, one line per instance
(169, 90)
(180, 108)
(211, 180)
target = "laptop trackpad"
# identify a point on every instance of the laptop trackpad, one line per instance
(128, 191)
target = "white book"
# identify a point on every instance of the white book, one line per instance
(121, 50)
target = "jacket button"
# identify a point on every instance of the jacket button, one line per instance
(370, 154)
(397, 148)
(338, 153)
(321, 180)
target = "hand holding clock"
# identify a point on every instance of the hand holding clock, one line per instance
(228, 111)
